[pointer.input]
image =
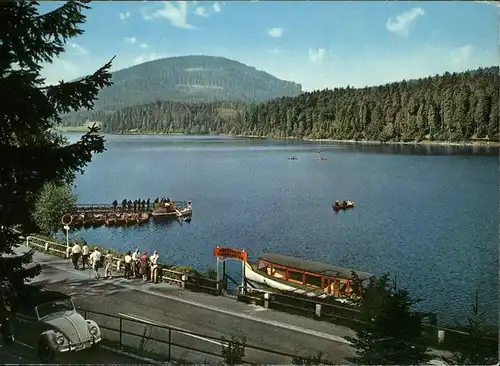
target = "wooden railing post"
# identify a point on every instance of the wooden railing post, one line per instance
(121, 332)
(169, 344)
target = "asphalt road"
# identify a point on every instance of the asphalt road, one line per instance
(120, 297)
(185, 311)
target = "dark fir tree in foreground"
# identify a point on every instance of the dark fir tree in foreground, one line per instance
(31, 154)
(392, 332)
(479, 346)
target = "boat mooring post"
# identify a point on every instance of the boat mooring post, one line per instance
(243, 282)
(218, 274)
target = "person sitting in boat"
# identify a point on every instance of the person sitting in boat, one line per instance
(148, 203)
(167, 200)
(337, 203)
(115, 203)
(124, 204)
(344, 203)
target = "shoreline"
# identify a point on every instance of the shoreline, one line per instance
(470, 143)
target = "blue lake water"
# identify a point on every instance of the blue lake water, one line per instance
(427, 215)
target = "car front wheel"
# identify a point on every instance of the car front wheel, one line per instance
(45, 352)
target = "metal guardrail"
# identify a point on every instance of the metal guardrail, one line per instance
(170, 332)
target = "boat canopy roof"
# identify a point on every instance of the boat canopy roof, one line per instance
(313, 267)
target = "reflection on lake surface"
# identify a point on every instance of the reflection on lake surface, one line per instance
(427, 214)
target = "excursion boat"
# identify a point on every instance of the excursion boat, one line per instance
(298, 275)
(173, 209)
(342, 205)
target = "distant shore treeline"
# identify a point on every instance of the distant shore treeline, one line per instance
(452, 107)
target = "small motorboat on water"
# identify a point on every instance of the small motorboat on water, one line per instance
(320, 158)
(344, 205)
(292, 158)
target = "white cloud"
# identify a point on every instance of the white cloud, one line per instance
(216, 7)
(147, 57)
(275, 32)
(130, 40)
(174, 11)
(201, 11)
(401, 23)
(76, 49)
(124, 16)
(316, 56)
(144, 45)
(461, 55)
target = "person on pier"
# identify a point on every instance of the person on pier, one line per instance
(154, 266)
(135, 262)
(85, 254)
(128, 265)
(108, 260)
(95, 260)
(144, 266)
(76, 251)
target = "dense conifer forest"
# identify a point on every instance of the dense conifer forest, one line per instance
(451, 107)
(187, 79)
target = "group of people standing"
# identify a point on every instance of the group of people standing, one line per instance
(135, 205)
(136, 265)
(138, 204)
(94, 260)
(142, 265)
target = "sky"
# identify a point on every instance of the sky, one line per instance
(317, 44)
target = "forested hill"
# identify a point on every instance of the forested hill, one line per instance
(451, 107)
(188, 79)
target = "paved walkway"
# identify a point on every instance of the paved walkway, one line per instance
(207, 315)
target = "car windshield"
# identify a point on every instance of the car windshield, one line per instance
(54, 306)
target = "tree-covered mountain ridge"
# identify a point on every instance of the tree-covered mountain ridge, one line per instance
(450, 107)
(188, 79)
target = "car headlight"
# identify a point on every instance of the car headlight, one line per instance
(93, 331)
(60, 339)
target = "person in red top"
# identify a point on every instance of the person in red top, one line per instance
(144, 265)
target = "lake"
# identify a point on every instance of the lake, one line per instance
(428, 215)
